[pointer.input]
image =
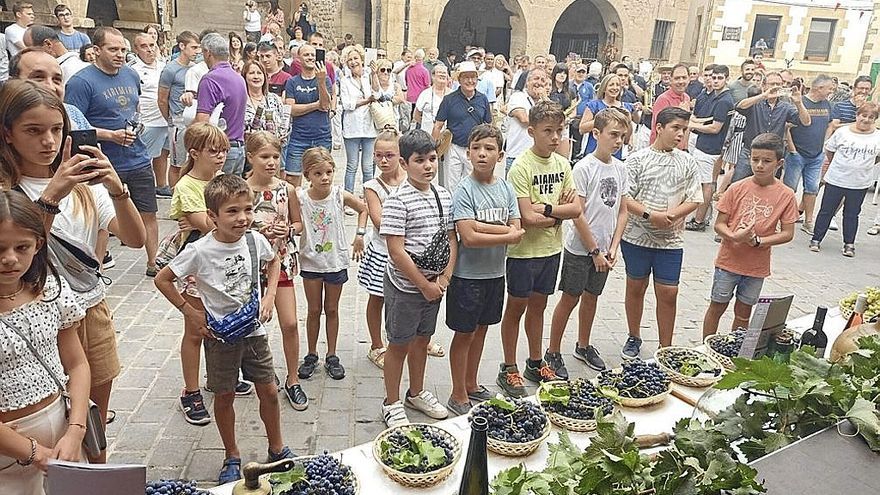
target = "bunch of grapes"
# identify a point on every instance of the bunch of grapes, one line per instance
(173, 487)
(636, 380)
(524, 424)
(398, 443)
(729, 344)
(873, 308)
(583, 402)
(687, 362)
(325, 475)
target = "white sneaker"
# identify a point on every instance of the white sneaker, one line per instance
(428, 404)
(833, 225)
(394, 414)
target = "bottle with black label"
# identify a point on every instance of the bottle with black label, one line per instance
(475, 479)
(815, 337)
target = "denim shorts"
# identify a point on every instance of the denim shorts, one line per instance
(295, 150)
(527, 275)
(235, 159)
(332, 278)
(797, 167)
(748, 289)
(141, 184)
(642, 262)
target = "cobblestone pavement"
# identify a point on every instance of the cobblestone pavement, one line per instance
(150, 429)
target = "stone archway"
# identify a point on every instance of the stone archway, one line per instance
(590, 28)
(497, 25)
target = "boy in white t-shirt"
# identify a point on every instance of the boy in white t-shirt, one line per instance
(220, 262)
(591, 242)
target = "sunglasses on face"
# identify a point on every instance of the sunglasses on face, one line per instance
(384, 71)
(719, 77)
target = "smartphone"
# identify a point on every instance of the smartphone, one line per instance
(87, 137)
(319, 55)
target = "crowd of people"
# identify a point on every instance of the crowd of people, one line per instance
(489, 185)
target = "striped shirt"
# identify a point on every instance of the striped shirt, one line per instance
(844, 111)
(660, 181)
(413, 214)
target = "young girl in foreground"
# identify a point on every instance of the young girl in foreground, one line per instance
(324, 255)
(33, 426)
(276, 215)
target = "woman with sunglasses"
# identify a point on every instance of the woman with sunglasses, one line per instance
(430, 99)
(358, 129)
(384, 84)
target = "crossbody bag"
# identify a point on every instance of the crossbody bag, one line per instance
(233, 327)
(436, 255)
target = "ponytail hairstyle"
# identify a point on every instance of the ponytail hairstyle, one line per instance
(199, 137)
(259, 140)
(16, 98)
(314, 157)
(21, 211)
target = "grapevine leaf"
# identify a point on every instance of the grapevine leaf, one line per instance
(549, 393)
(775, 441)
(712, 473)
(753, 449)
(762, 374)
(282, 482)
(501, 403)
(864, 415)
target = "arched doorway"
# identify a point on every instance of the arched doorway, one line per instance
(492, 24)
(590, 28)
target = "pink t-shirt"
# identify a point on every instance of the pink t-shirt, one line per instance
(769, 207)
(668, 99)
(417, 79)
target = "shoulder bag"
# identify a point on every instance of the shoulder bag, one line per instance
(233, 327)
(435, 257)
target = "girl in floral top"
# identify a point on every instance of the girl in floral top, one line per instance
(277, 216)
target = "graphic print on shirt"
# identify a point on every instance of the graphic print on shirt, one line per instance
(237, 283)
(608, 191)
(546, 183)
(306, 89)
(753, 211)
(321, 222)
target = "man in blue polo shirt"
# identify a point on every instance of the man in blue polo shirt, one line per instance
(107, 92)
(222, 84)
(308, 94)
(804, 164)
(460, 111)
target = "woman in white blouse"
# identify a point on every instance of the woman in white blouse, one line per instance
(358, 130)
(429, 100)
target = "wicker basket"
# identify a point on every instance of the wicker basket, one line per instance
(418, 480)
(514, 449)
(644, 401)
(564, 422)
(688, 381)
(355, 480)
(721, 358)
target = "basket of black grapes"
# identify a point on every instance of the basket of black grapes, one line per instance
(636, 383)
(417, 455)
(724, 347)
(316, 475)
(516, 426)
(689, 367)
(574, 405)
(173, 487)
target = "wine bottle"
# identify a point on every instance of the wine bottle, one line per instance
(811, 336)
(475, 479)
(857, 316)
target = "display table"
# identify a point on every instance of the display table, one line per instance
(648, 420)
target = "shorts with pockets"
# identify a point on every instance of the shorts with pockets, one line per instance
(527, 275)
(141, 184)
(332, 278)
(473, 302)
(98, 337)
(156, 139)
(178, 149)
(579, 275)
(251, 355)
(799, 167)
(724, 283)
(295, 150)
(642, 262)
(408, 315)
(705, 165)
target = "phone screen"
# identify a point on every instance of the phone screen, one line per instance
(319, 54)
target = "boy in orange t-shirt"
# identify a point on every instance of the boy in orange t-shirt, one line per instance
(753, 215)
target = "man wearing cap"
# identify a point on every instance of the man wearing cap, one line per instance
(459, 112)
(484, 84)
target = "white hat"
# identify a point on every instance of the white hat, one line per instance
(466, 66)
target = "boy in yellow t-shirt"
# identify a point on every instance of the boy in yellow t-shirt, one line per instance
(545, 194)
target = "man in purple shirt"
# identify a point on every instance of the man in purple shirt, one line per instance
(222, 84)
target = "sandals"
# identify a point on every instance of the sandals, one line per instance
(875, 230)
(231, 471)
(849, 250)
(436, 350)
(377, 357)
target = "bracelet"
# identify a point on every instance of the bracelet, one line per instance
(47, 207)
(77, 424)
(361, 231)
(121, 196)
(30, 460)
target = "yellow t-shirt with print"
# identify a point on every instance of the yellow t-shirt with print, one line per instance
(542, 180)
(189, 197)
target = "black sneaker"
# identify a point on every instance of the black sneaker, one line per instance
(334, 367)
(244, 387)
(193, 407)
(307, 368)
(631, 347)
(164, 192)
(511, 381)
(297, 397)
(539, 372)
(557, 364)
(590, 356)
(108, 262)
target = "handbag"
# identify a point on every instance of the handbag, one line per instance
(436, 256)
(172, 244)
(95, 439)
(383, 115)
(233, 327)
(72, 262)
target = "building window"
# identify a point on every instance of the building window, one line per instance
(662, 39)
(765, 34)
(697, 35)
(819, 41)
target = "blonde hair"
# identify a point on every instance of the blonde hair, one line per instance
(388, 134)
(201, 136)
(259, 140)
(351, 49)
(600, 91)
(381, 64)
(314, 157)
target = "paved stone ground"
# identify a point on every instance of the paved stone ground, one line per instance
(150, 429)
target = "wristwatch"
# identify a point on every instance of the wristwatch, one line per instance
(756, 240)
(361, 231)
(595, 252)
(548, 210)
(646, 214)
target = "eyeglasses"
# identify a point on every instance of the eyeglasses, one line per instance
(216, 152)
(719, 77)
(385, 70)
(65, 14)
(381, 55)
(386, 156)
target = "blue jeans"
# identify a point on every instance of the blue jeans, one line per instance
(234, 161)
(353, 146)
(642, 262)
(725, 283)
(852, 206)
(799, 167)
(296, 148)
